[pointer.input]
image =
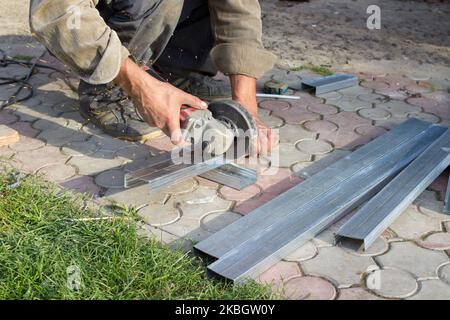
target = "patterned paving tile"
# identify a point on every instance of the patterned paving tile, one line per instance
(418, 261)
(412, 225)
(303, 253)
(432, 290)
(356, 294)
(338, 265)
(392, 283)
(216, 221)
(309, 288)
(279, 272)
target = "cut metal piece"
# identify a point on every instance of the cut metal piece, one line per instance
(269, 214)
(377, 214)
(277, 96)
(321, 164)
(264, 249)
(447, 198)
(335, 82)
(232, 175)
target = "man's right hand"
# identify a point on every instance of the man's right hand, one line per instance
(158, 102)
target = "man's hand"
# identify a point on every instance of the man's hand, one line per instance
(158, 102)
(244, 92)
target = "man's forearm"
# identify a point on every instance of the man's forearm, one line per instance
(244, 91)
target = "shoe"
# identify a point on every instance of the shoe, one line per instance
(110, 109)
(201, 86)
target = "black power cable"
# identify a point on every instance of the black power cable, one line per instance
(22, 82)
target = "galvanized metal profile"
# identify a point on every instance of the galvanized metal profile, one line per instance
(321, 164)
(447, 198)
(257, 254)
(335, 82)
(378, 213)
(313, 189)
(232, 175)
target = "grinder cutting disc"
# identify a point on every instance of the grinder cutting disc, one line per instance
(236, 118)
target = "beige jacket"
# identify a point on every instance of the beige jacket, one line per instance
(76, 34)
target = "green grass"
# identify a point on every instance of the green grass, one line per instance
(448, 90)
(321, 70)
(41, 236)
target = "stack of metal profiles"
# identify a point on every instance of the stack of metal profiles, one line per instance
(258, 240)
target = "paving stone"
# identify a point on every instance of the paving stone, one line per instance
(291, 133)
(354, 91)
(409, 257)
(349, 103)
(157, 215)
(84, 184)
(61, 136)
(443, 272)
(392, 283)
(108, 143)
(158, 144)
(136, 197)
(24, 129)
(439, 96)
(433, 209)
(293, 80)
(39, 158)
(371, 132)
(216, 221)
(286, 154)
(425, 117)
(183, 187)
(331, 97)
(389, 123)
(303, 253)
(33, 113)
(50, 124)
(376, 84)
(419, 88)
(279, 272)
(397, 81)
(440, 185)
(412, 225)
(339, 265)
(322, 109)
(356, 294)
(57, 172)
(79, 148)
(240, 195)
(436, 241)
(432, 290)
(372, 98)
(187, 228)
(305, 100)
(7, 117)
(161, 236)
(424, 103)
(27, 144)
(314, 147)
(399, 109)
(274, 105)
(321, 126)
(94, 164)
(379, 247)
(309, 288)
(111, 179)
(133, 152)
(296, 115)
(393, 94)
(271, 121)
(272, 185)
(200, 202)
(374, 113)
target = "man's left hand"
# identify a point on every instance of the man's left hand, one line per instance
(244, 91)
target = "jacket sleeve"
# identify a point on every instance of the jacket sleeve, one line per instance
(237, 29)
(76, 34)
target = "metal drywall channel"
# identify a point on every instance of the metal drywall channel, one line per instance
(330, 83)
(377, 214)
(257, 254)
(323, 163)
(447, 198)
(232, 175)
(286, 203)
